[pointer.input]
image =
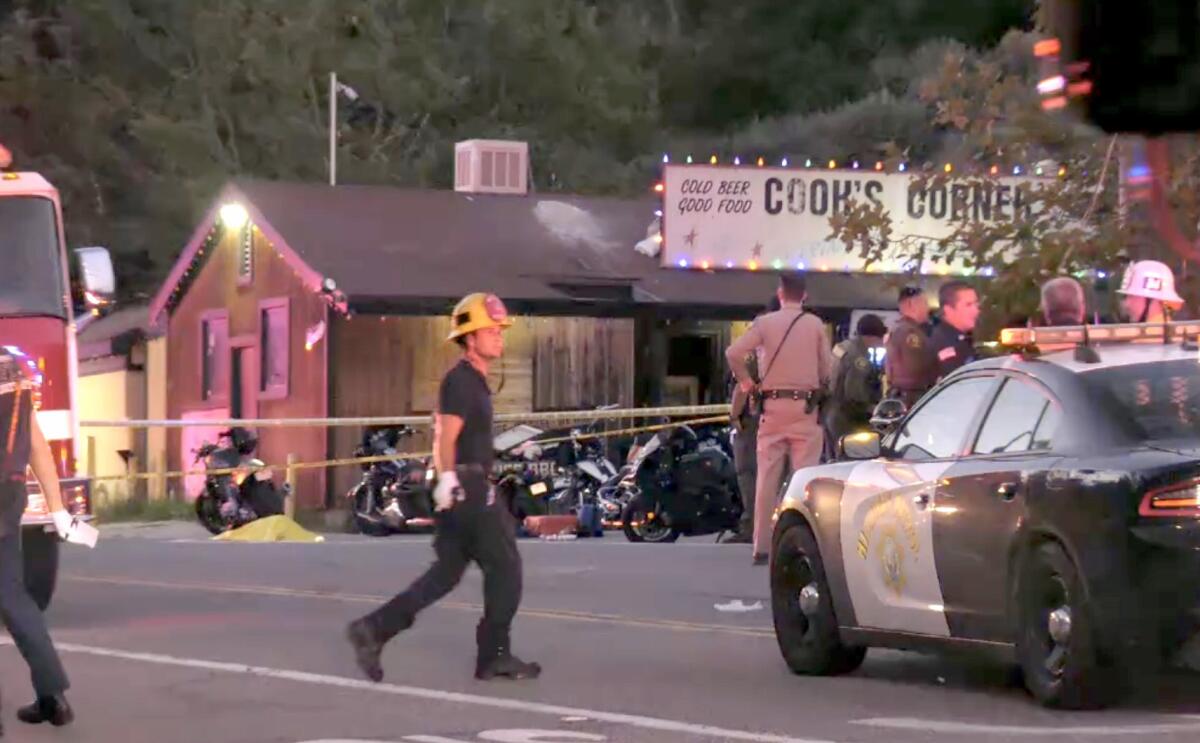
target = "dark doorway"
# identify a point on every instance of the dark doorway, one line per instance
(690, 370)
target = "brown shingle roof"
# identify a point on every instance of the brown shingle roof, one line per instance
(396, 247)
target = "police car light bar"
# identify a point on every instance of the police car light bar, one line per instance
(1091, 334)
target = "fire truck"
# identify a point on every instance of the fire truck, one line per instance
(41, 294)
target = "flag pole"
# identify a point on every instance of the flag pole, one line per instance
(333, 128)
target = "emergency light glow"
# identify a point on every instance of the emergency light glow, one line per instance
(234, 215)
(1119, 333)
(1052, 85)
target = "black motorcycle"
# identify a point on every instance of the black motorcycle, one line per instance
(246, 493)
(394, 495)
(681, 485)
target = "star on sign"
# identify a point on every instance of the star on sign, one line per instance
(690, 238)
(757, 251)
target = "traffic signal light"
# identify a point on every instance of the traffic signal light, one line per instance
(1128, 65)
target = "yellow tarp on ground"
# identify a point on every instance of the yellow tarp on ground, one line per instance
(270, 529)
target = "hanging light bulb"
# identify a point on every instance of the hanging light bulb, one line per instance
(689, 159)
(666, 158)
(784, 162)
(713, 160)
(832, 164)
(737, 160)
(761, 162)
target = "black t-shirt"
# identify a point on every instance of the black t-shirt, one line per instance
(465, 394)
(951, 349)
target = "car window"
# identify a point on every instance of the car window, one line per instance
(1021, 419)
(1160, 399)
(936, 430)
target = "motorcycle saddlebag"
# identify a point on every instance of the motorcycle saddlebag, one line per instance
(545, 526)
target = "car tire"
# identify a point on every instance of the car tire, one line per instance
(39, 553)
(810, 642)
(1070, 671)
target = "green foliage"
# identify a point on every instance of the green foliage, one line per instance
(139, 110)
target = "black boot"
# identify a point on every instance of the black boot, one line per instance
(496, 660)
(367, 648)
(53, 710)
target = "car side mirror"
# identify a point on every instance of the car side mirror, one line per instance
(887, 415)
(863, 445)
(97, 279)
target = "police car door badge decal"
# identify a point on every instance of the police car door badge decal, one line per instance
(890, 526)
(887, 546)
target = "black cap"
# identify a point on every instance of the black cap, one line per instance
(871, 325)
(909, 292)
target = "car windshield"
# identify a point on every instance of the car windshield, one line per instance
(1162, 398)
(32, 281)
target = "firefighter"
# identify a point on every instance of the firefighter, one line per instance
(856, 385)
(27, 448)
(796, 366)
(910, 365)
(470, 523)
(1148, 289)
(950, 341)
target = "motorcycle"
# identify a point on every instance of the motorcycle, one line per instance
(550, 472)
(395, 494)
(234, 499)
(678, 485)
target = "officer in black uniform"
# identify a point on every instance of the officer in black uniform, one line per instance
(909, 364)
(950, 341)
(25, 447)
(470, 524)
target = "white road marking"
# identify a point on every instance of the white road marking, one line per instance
(967, 728)
(436, 695)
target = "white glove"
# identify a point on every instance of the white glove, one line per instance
(447, 491)
(62, 522)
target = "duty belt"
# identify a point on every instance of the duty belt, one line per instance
(797, 395)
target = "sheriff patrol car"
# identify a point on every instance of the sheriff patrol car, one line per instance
(1042, 505)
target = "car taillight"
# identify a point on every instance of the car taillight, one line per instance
(1178, 499)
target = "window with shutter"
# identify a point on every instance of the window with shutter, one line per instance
(214, 355)
(274, 346)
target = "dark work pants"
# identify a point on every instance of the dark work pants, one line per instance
(472, 531)
(21, 615)
(745, 462)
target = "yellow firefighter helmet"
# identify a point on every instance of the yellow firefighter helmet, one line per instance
(476, 312)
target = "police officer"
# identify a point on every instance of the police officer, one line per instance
(950, 341)
(909, 364)
(26, 447)
(470, 525)
(1148, 289)
(796, 365)
(856, 385)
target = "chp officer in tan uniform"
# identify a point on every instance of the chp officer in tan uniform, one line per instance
(910, 365)
(796, 362)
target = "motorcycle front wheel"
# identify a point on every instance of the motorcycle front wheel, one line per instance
(366, 517)
(208, 513)
(640, 527)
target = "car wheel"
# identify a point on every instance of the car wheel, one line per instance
(805, 625)
(1061, 664)
(39, 553)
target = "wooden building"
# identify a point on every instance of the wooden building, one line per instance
(305, 300)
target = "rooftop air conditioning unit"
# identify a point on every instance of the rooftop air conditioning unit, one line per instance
(491, 166)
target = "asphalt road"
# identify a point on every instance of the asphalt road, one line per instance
(170, 637)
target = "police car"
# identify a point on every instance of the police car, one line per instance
(1043, 506)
